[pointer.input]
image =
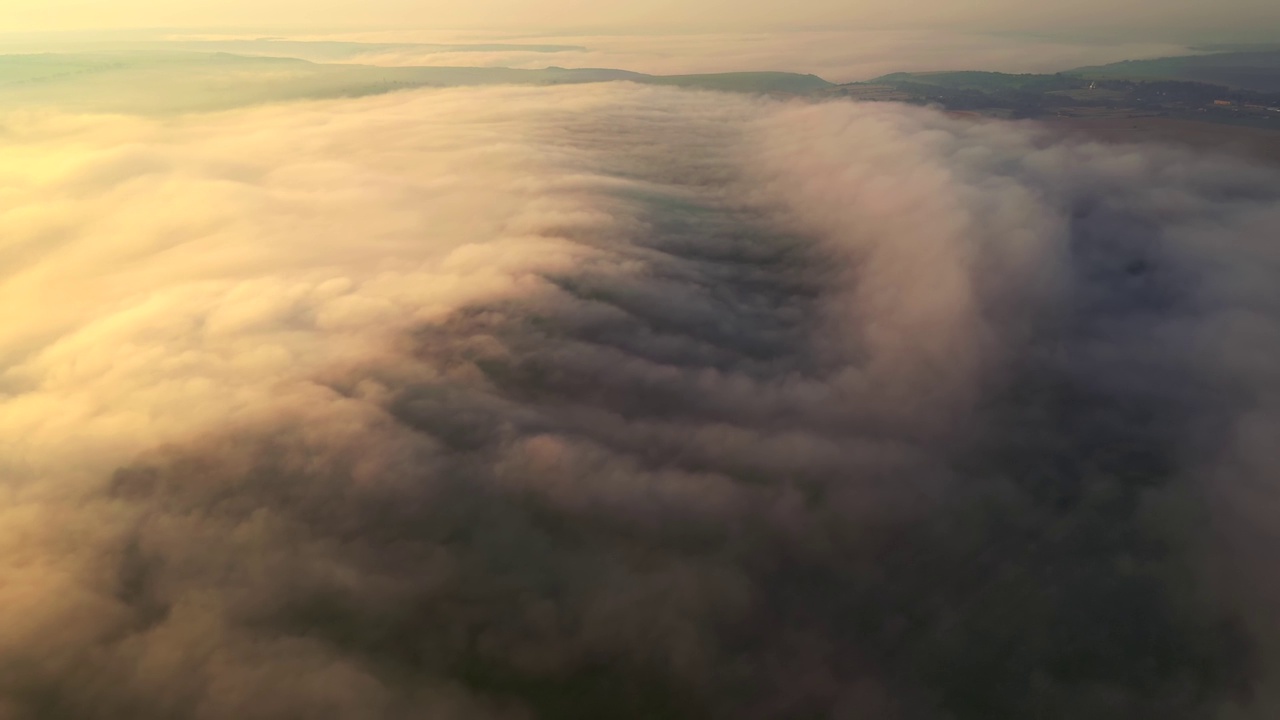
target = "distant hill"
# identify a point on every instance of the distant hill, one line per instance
(978, 80)
(1023, 95)
(1120, 91)
(1236, 47)
(1255, 70)
(191, 81)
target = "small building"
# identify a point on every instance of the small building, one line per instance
(1222, 103)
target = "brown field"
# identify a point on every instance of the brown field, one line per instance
(1257, 143)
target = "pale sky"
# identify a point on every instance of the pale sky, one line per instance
(1221, 19)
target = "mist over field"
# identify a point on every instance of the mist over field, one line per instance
(615, 400)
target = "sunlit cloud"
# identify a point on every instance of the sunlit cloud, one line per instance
(515, 402)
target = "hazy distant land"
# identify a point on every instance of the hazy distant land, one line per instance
(1229, 100)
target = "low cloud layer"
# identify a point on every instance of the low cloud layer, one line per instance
(620, 401)
(838, 55)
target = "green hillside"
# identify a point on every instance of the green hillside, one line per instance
(1259, 70)
(979, 80)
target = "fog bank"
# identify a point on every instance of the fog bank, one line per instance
(632, 402)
